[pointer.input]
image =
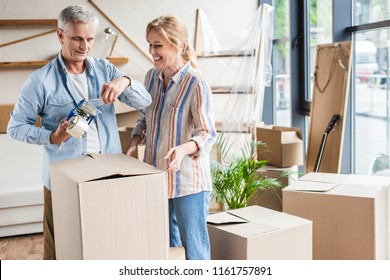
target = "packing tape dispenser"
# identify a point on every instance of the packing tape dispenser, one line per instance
(81, 117)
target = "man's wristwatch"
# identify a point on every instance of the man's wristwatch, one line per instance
(128, 79)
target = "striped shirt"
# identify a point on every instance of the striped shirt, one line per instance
(183, 112)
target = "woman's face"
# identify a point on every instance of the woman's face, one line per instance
(165, 54)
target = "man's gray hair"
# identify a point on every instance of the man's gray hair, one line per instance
(76, 13)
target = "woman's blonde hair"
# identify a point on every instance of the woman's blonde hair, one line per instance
(175, 32)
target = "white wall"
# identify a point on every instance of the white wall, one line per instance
(227, 17)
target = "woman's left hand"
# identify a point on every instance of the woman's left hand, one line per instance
(176, 155)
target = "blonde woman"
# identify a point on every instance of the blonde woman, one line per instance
(178, 131)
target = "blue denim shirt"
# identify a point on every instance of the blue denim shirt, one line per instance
(49, 93)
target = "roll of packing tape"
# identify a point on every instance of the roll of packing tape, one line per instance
(77, 126)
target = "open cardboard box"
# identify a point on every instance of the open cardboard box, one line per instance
(109, 207)
(254, 233)
(284, 145)
(350, 214)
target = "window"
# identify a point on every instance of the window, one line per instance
(371, 88)
(369, 11)
(281, 63)
(320, 32)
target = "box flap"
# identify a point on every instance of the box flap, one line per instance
(292, 169)
(249, 230)
(125, 165)
(253, 212)
(265, 126)
(339, 184)
(283, 221)
(290, 137)
(224, 218)
(310, 186)
(99, 166)
(324, 177)
(354, 179)
(297, 130)
(358, 190)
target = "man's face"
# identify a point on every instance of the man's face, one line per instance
(77, 40)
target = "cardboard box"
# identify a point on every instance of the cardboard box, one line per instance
(177, 253)
(255, 233)
(127, 119)
(5, 111)
(350, 214)
(272, 198)
(121, 108)
(284, 145)
(125, 137)
(109, 207)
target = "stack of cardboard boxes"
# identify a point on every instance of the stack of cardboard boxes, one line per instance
(283, 150)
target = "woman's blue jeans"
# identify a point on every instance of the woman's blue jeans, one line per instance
(188, 224)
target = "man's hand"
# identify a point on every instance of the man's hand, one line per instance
(60, 135)
(113, 89)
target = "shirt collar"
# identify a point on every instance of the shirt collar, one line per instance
(179, 74)
(61, 60)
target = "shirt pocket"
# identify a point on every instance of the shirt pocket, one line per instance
(59, 101)
(181, 112)
(58, 108)
(178, 105)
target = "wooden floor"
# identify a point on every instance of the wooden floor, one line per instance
(22, 247)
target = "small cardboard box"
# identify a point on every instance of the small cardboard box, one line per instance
(350, 214)
(5, 111)
(254, 233)
(127, 119)
(125, 137)
(109, 207)
(272, 198)
(5, 114)
(284, 145)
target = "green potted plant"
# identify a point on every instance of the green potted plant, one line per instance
(235, 182)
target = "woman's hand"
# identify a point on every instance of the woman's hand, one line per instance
(176, 155)
(132, 148)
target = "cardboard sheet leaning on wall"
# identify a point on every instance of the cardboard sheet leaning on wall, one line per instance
(245, 71)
